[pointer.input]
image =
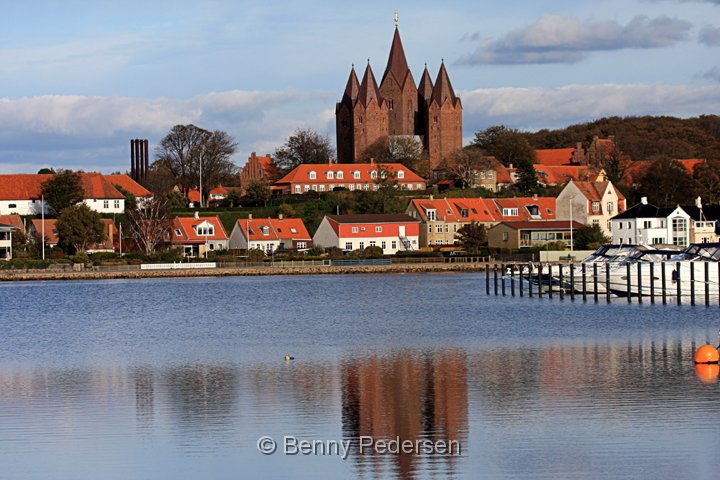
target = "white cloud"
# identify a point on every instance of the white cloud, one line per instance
(710, 35)
(535, 108)
(565, 39)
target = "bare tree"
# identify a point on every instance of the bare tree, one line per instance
(187, 149)
(303, 146)
(467, 164)
(149, 223)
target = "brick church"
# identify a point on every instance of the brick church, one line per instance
(368, 114)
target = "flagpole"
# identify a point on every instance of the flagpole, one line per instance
(42, 223)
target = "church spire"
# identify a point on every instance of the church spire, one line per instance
(443, 89)
(368, 88)
(425, 87)
(352, 89)
(397, 63)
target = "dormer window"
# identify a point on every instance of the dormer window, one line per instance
(510, 212)
(595, 207)
(265, 230)
(178, 232)
(373, 174)
(329, 175)
(293, 230)
(431, 214)
(400, 174)
(312, 175)
(356, 174)
(339, 175)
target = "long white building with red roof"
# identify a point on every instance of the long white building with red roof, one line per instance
(391, 232)
(325, 177)
(269, 234)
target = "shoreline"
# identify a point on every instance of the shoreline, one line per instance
(11, 276)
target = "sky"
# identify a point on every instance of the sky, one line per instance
(79, 79)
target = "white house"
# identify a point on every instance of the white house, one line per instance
(6, 232)
(592, 203)
(197, 236)
(21, 194)
(391, 232)
(269, 234)
(646, 224)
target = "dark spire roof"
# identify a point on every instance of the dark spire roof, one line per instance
(425, 87)
(397, 63)
(368, 88)
(352, 89)
(443, 89)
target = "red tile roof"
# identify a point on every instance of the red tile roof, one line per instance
(486, 209)
(13, 220)
(269, 229)
(129, 185)
(50, 229)
(560, 175)
(503, 174)
(51, 234)
(29, 186)
(554, 156)
(185, 226)
(301, 173)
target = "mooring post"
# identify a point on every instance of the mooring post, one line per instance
(595, 281)
(707, 283)
(607, 283)
(487, 278)
(640, 285)
(627, 281)
(540, 280)
(495, 280)
(502, 278)
(550, 281)
(652, 282)
(512, 280)
(679, 287)
(663, 277)
(572, 282)
(530, 284)
(692, 283)
(584, 282)
(562, 281)
(521, 282)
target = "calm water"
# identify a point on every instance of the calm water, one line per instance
(180, 378)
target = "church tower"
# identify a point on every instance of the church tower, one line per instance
(444, 120)
(398, 89)
(425, 89)
(344, 120)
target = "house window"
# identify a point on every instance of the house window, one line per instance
(400, 174)
(596, 222)
(429, 227)
(367, 186)
(647, 224)
(329, 175)
(315, 188)
(212, 246)
(378, 229)
(106, 203)
(419, 186)
(117, 204)
(339, 175)
(312, 175)
(679, 231)
(355, 230)
(351, 187)
(301, 244)
(438, 228)
(432, 214)
(373, 174)
(506, 236)
(178, 232)
(322, 188)
(609, 225)
(447, 228)
(595, 207)
(610, 207)
(510, 212)
(393, 245)
(265, 230)
(372, 243)
(12, 205)
(293, 230)
(298, 189)
(356, 174)
(348, 245)
(383, 245)
(409, 186)
(362, 245)
(307, 188)
(455, 227)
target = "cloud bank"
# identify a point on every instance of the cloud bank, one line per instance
(566, 39)
(710, 35)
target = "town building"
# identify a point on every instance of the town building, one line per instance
(646, 224)
(197, 236)
(515, 235)
(369, 113)
(704, 222)
(6, 233)
(21, 194)
(257, 169)
(592, 203)
(391, 232)
(321, 177)
(270, 234)
(124, 182)
(109, 244)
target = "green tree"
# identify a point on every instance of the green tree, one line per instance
(589, 237)
(287, 210)
(303, 146)
(508, 145)
(472, 236)
(46, 170)
(526, 178)
(467, 164)
(232, 199)
(707, 176)
(80, 227)
(63, 190)
(666, 183)
(258, 192)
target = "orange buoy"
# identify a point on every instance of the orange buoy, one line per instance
(708, 372)
(707, 354)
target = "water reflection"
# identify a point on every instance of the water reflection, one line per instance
(548, 411)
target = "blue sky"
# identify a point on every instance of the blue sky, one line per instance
(79, 79)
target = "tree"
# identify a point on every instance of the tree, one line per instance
(303, 146)
(149, 223)
(80, 227)
(589, 237)
(258, 192)
(187, 149)
(287, 210)
(707, 176)
(472, 236)
(63, 190)
(666, 183)
(160, 179)
(526, 178)
(232, 199)
(385, 179)
(508, 145)
(45, 170)
(466, 164)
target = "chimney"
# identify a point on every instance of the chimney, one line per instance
(133, 172)
(698, 203)
(535, 197)
(643, 200)
(372, 161)
(280, 216)
(147, 159)
(432, 198)
(250, 217)
(197, 215)
(510, 167)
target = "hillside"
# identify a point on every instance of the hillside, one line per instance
(642, 138)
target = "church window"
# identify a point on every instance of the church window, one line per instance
(391, 104)
(435, 120)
